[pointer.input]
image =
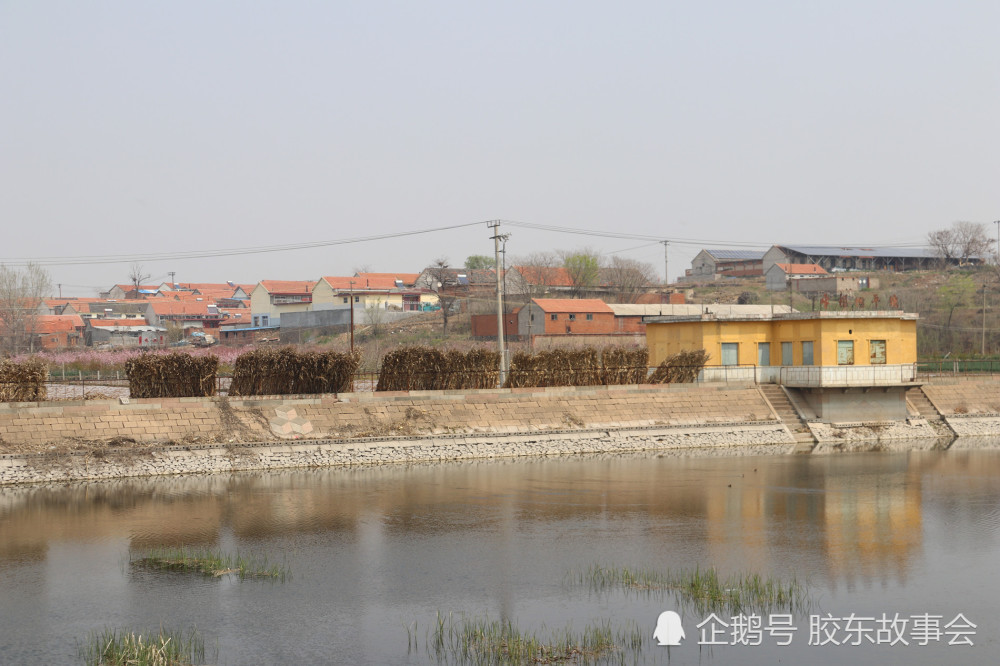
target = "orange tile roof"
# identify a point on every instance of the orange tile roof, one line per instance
(171, 307)
(408, 278)
(802, 269)
(287, 286)
(572, 305)
(57, 323)
(206, 296)
(550, 276)
(142, 287)
(104, 323)
(362, 283)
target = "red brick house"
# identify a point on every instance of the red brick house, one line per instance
(566, 316)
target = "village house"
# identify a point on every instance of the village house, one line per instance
(271, 298)
(713, 264)
(779, 275)
(186, 314)
(383, 291)
(58, 331)
(834, 258)
(123, 333)
(565, 316)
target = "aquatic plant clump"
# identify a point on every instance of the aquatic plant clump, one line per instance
(210, 563)
(705, 589)
(480, 640)
(115, 647)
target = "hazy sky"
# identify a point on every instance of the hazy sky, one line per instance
(130, 129)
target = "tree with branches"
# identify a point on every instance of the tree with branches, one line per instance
(21, 292)
(444, 284)
(583, 268)
(136, 278)
(962, 243)
(628, 277)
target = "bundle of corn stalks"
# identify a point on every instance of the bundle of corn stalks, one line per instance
(429, 369)
(680, 368)
(624, 365)
(556, 367)
(24, 381)
(174, 375)
(285, 371)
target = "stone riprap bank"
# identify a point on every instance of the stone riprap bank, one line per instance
(194, 435)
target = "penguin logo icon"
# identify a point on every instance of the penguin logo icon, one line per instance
(668, 629)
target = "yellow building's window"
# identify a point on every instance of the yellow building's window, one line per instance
(807, 352)
(786, 354)
(877, 349)
(845, 352)
(763, 353)
(730, 353)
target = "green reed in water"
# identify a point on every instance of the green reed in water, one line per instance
(482, 641)
(210, 563)
(118, 647)
(705, 589)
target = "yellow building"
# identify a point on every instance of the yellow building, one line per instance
(794, 339)
(809, 351)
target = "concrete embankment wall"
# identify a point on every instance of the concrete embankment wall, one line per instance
(199, 435)
(971, 406)
(189, 435)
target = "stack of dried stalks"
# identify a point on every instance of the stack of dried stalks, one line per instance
(680, 368)
(556, 367)
(24, 381)
(624, 365)
(174, 375)
(429, 369)
(285, 371)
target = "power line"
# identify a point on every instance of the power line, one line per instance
(201, 254)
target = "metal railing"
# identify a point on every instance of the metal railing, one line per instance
(76, 385)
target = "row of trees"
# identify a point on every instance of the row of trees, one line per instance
(586, 270)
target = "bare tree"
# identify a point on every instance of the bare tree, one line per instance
(628, 277)
(962, 243)
(136, 278)
(375, 316)
(21, 292)
(444, 285)
(534, 274)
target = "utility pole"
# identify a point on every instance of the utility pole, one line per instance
(350, 302)
(982, 351)
(497, 239)
(998, 241)
(666, 264)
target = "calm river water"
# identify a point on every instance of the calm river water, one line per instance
(372, 551)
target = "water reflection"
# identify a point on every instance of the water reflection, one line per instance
(369, 545)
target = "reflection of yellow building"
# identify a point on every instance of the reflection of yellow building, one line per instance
(794, 339)
(872, 529)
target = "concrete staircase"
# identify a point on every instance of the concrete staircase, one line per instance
(917, 400)
(786, 411)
